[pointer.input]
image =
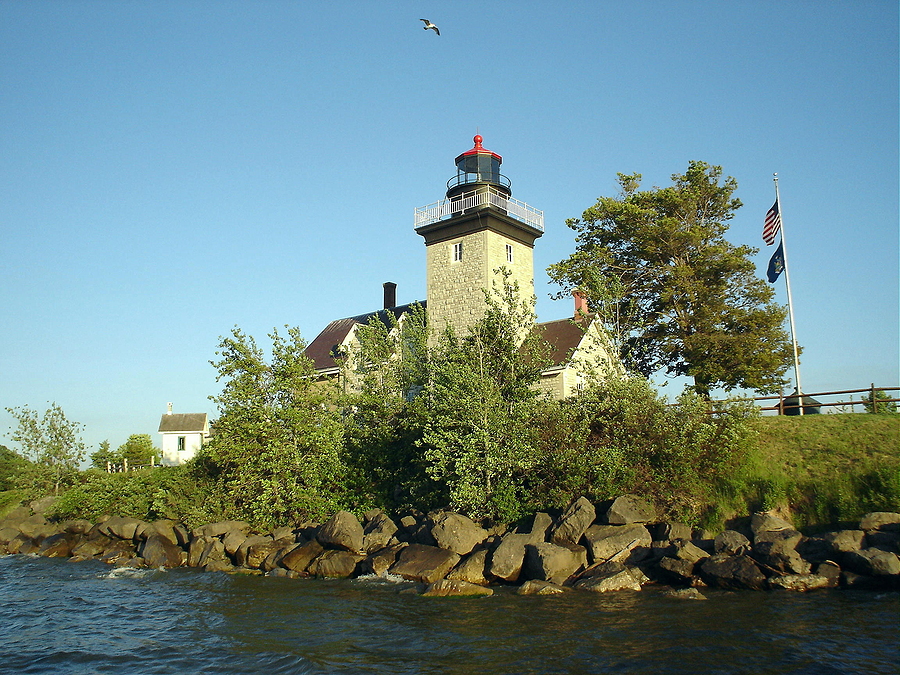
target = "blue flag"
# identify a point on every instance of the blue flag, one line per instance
(776, 264)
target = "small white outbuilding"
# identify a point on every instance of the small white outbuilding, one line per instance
(183, 434)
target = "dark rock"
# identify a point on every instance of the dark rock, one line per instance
(625, 543)
(815, 549)
(731, 542)
(672, 531)
(844, 541)
(885, 521)
(233, 540)
(23, 544)
(379, 562)
(683, 594)
(574, 522)
(831, 571)
(92, 547)
(79, 526)
(455, 588)
(240, 555)
(629, 509)
(342, 531)
(221, 529)
(299, 557)
(860, 581)
(197, 547)
(158, 551)
(213, 556)
(733, 572)
(622, 580)
(37, 527)
(118, 551)
(540, 527)
(457, 533)
(553, 562)
(258, 552)
(886, 541)
(509, 557)
(767, 522)
(121, 528)
(686, 550)
(59, 545)
(676, 570)
(335, 564)
(426, 564)
(872, 562)
(776, 550)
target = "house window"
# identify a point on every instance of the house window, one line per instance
(509, 253)
(181, 444)
(457, 252)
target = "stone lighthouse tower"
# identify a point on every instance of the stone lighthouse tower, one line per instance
(477, 229)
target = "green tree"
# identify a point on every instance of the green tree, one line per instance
(138, 450)
(52, 442)
(103, 456)
(480, 404)
(674, 294)
(11, 465)
(276, 450)
(879, 402)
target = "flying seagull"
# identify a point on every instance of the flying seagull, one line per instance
(430, 25)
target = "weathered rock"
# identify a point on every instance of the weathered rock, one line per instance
(844, 541)
(221, 529)
(335, 564)
(553, 562)
(16, 516)
(379, 562)
(158, 551)
(872, 562)
(299, 557)
(815, 549)
(577, 518)
(880, 520)
(508, 558)
(799, 582)
(78, 526)
(831, 571)
(861, 581)
(629, 509)
(624, 543)
(677, 570)
(342, 531)
(686, 550)
(540, 527)
(41, 506)
(731, 542)
(23, 544)
(379, 531)
(59, 545)
(457, 533)
(92, 547)
(427, 564)
(7, 534)
(233, 541)
(886, 541)
(732, 572)
(240, 555)
(281, 572)
(683, 594)
(617, 581)
(455, 588)
(213, 556)
(472, 569)
(766, 521)
(118, 552)
(541, 587)
(258, 552)
(37, 527)
(197, 547)
(672, 532)
(121, 528)
(776, 549)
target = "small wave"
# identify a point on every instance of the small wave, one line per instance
(126, 573)
(381, 579)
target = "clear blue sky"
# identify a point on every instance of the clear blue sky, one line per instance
(171, 169)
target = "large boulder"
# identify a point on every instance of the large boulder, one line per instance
(540, 527)
(299, 557)
(629, 509)
(379, 562)
(221, 529)
(379, 531)
(571, 526)
(733, 572)
(676, 570)
(259, 552)
(672, 532)
(872, 562)
(196, 548)
(242, 552)
(623, 543)
(37, 527)
(539, 587)
(777, 550)
(342, 531)
(455, 588)
(886, 521)
(799, 582)
(158, 551)
(233, 540)
(472, 569)
(213, 556)
(731, 542)
(457, 533)
(121, 528)
(552, 562)
(426, 564)
(844, 541)
(508, 558)
(92, 547)
(335, 564)
(609, 577)
(59, 545)
(766, 521)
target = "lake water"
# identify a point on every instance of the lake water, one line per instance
(62, 617)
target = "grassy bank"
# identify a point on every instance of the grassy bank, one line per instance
(827, 469)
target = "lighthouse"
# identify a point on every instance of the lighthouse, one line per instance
(477, 229)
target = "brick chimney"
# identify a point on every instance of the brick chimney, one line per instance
(390, 294)
(581, 305)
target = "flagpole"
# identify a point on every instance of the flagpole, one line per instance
(787, 280)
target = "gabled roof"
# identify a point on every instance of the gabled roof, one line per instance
(322, 349)
(187, 422)
(563, 335)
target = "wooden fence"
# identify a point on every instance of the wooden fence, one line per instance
(789, 404)
(125, 466)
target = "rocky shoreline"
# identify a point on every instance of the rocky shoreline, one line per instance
(613, 546)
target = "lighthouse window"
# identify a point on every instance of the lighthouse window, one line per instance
(509, 253)
(457, 252)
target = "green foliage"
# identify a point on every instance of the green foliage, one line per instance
(276, 452)
(879, 402)
(138, 450)
(674, 294)
(52, 442)
(11, 467)
(479, 406)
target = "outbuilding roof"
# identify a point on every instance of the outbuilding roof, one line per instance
(186, 422)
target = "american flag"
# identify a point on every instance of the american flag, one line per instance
(773, 224)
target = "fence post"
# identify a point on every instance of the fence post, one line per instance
(108, 467)
(126, 464)
(872, 394)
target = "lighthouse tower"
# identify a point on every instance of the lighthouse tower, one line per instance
(472, 233)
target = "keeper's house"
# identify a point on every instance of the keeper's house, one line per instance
(477, 229)
(183, 434)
